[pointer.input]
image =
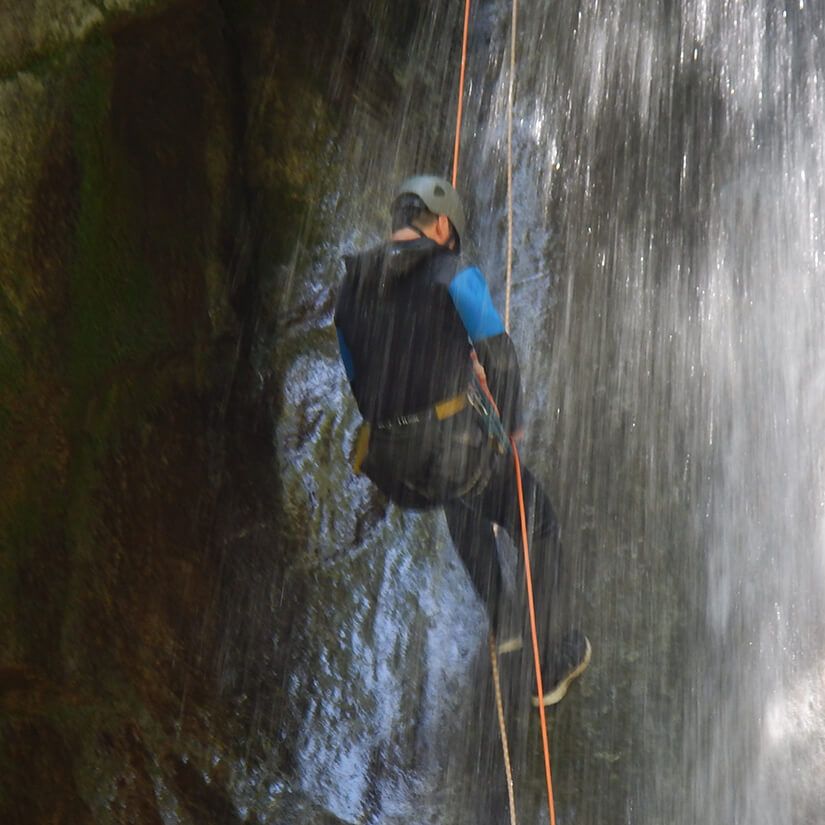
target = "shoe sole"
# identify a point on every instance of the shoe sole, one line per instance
(560, 691)
(511, 645)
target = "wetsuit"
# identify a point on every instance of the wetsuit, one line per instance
(408, 315)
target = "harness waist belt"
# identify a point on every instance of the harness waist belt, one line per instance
(440, 411)
(443, 409)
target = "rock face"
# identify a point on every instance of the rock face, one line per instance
(190, 626)
(141, 661)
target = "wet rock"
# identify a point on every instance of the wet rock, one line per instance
(30, 31)
(120, 368)
(162, 538)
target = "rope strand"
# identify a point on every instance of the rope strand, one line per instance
(528, 578)
(548, 774)
(509, 268)
(461, 91)
(517, 464)
(502, 729)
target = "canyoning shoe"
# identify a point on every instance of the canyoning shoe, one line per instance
(563, 665)
(511, 644)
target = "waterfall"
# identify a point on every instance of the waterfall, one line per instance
(669, 304)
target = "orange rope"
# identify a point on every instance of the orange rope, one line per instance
(531, 607)
(528, 577)
(522, 511)
(505, 745)
(461, 90)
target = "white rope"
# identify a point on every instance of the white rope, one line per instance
(502, 727)
(505, 745)
(510, 165)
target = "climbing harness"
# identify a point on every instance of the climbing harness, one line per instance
(512, 444)
(443, 409)
(362, 446)
(483, 404)
(473, 397)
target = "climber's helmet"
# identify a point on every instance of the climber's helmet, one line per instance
(438, 195)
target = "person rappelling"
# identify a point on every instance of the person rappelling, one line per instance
(421, 341)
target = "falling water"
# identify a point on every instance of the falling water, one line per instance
(669, 303)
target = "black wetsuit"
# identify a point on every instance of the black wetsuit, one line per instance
(408, 315)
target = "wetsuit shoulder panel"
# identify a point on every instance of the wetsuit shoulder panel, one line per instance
(474, 304)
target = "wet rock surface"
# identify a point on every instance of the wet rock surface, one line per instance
(193, 628)
(143, 673)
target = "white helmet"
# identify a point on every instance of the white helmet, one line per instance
(439, 197)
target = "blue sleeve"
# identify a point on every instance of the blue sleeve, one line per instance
(472, 299)
(346, 355)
